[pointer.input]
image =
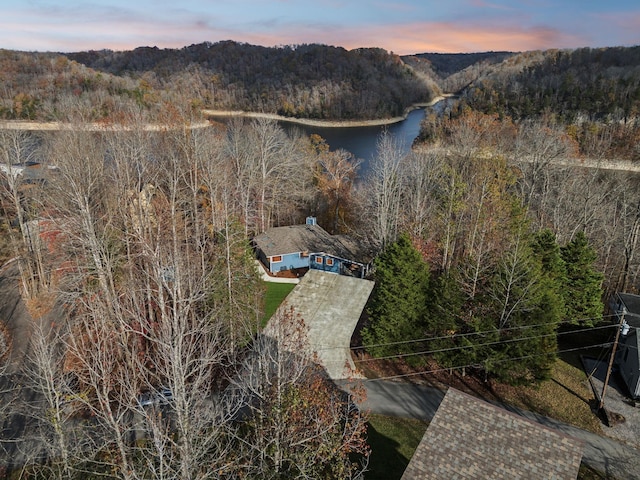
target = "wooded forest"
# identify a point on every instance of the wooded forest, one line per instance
(310, 81)
(131, 247)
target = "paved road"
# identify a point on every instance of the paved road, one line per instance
(421, 402)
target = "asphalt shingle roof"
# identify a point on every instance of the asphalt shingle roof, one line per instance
(632, 302)
(469, 439)
(304, 238)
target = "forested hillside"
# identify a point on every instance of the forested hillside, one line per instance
(574, 85)
(584, 84)
(131, 246)
(310, 81)
(593, 93)
(454, 71)
(47, 87)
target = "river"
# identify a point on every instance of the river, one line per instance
(361, 141)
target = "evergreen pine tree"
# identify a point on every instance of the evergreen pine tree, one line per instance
(526, 290)
(545, 247)
(583, 286)
(398, 304)
(452, 344)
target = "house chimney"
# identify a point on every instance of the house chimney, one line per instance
(311, 221)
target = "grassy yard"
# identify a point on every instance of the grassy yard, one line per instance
(275, 294)
(566, 397)
(392, 441)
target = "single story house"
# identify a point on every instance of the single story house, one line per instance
(470, 439)
(626, 307)
(309, 246)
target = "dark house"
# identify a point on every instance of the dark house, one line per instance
(470, 439)
(30, 172)
(626, 306)
(309, 246)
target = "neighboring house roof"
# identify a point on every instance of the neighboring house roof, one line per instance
(472, 439)
(634, 342)
(305, 238)
(30, 171)
(632, 304)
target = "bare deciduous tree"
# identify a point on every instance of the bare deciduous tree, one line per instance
(336, 178)
(385, 190)
(298, 423)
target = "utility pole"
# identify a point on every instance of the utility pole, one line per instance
(613, 354)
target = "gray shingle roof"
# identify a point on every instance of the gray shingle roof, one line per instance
(632, 302)
(469, 439)
(304, 238)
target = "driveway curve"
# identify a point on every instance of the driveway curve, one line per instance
(398, 399)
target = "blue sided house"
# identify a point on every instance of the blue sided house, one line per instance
(308, 246)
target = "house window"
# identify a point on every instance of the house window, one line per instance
(329, 262)
(276, 258)
(319, 260)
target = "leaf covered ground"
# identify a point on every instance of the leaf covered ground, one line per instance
(566, 396)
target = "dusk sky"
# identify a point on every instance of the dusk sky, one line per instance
(400, 26)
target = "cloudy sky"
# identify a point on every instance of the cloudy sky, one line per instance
(401, 26)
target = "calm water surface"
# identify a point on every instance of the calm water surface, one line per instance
(361, 141)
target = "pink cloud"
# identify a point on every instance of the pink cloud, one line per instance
(120, 30)
(435, 37)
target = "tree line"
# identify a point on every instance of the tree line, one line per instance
(136, 267)
(309, 81)
(504, 327)
(133, 260)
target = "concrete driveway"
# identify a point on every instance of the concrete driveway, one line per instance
(617, 401)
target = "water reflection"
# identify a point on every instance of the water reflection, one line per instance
(361, 141)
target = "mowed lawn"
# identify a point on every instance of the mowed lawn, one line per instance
(275, 294)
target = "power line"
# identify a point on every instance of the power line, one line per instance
(461, 347)
(443, 369)
(456, 335)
